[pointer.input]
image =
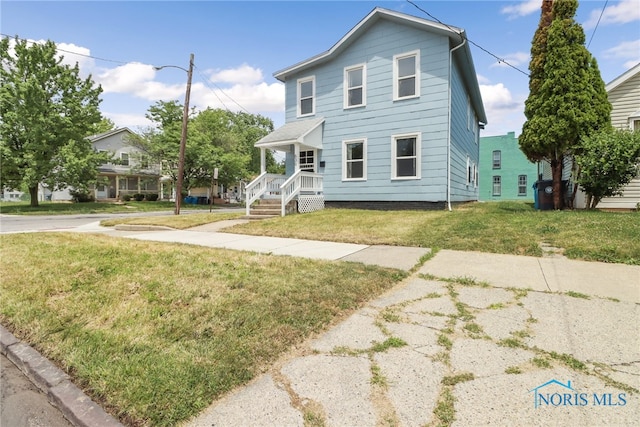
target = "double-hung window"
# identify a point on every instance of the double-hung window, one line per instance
(354, 160)
(355, 86)
(406, 75)
(497, 159)
(306, 96)
(522, 185)
(124, 159)
(405, 156)
(497, 185)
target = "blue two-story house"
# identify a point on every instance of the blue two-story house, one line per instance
(388, 117)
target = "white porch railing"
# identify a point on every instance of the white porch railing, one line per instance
(299, 182)
(263, 184)
(286, 188)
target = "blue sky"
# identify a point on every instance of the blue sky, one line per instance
(238, 45)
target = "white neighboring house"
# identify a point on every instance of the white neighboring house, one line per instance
(132, 174)
(624, 94)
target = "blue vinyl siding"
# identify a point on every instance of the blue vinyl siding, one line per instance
(382, 117)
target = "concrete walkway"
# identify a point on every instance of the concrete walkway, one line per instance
(482, 338)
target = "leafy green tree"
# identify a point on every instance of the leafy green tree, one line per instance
(104, 125)
(46, 113)
(608, 161)
(216, 138)
(567, 98)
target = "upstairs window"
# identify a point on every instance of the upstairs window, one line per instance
(354, 86)
(306, 96)
(405, 157)
(497, 159)
(124, 159)
(406, 75)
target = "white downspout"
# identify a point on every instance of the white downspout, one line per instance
(449, 124)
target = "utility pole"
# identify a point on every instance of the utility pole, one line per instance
(183, 139)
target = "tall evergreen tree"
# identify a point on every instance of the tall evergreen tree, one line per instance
(46, 113)
(567, 98)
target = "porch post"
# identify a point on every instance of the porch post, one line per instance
(117, 187)
(263, 160)
(296, 156)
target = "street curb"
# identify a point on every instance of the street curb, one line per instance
(76, 406)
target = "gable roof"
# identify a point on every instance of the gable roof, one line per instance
(457, 36)
(633, 71)
(293, 132)
(98, 137)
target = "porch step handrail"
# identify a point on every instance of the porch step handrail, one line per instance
(265, 182)
(298, 182)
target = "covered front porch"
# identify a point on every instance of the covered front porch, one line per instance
(301, 187)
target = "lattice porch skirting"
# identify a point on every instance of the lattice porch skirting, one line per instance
(310, 203)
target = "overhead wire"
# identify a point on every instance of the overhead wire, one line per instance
(597, 23)
(499, 59)
(205, 80)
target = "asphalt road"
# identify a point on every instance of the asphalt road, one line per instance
(22, 404)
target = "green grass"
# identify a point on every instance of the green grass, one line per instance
(155, 332)
(68, 208)
(179, 222)
(496, 227)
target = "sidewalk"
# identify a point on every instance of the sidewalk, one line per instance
(503, 348)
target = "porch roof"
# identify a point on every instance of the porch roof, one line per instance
(304, 132)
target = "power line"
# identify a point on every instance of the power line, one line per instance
(223, 92)
(597, 23)
(68, 51)
(500, 60)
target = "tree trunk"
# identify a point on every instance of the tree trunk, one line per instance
(33, 193)
(556, 173)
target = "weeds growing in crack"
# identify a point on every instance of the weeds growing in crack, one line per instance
(496, 306)
(312, 419)
(445, 341)
(470, 282)
(457, 379)
(377, 377)
(391, 315)
(387, 344)
(444, 411)
(513, 370)
(521, 334)
(541, 362)
(463, 312)
(511, 343)
(577, 295)
(569, 360)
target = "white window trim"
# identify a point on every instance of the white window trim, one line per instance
(128, 159)
(468, 171)
(415, 53)
(394, 172)
(315, 159)
(346, 86)
(311, 79)
(364, 159)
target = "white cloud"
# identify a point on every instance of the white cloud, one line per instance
(522, 8)
(628, 51)
(504, 112)
(68, 53)
(132, 121)
(243, 74)
(621, 12)
(261, 97)
(129, 78)
(515, 59)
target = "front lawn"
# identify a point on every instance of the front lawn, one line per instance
(497, 227)
(179, 222)
(155, 332)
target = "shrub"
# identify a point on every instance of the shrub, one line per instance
(79, 196)
(126, 197)
(152, 197)
(138, 197)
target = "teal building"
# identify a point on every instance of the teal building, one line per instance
(505, 172)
